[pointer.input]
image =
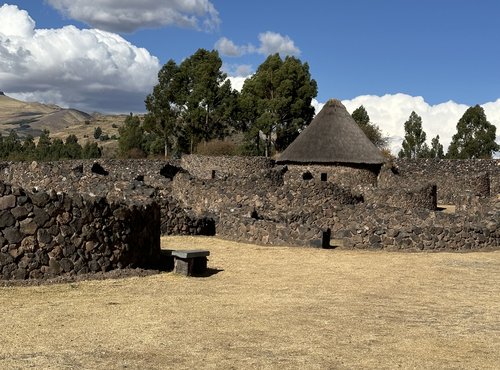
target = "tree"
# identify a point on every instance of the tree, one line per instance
(165, 105)
(436, 151)
(192, 102)
(56, 150)
(91, 150)
(278, 98)
(371, 130)
(43, 146)
(12, 144)
(131, 135)
(97, 132)
(29, 147)
(414, 145)
(207, 95)
(475, 137)
(72, 149)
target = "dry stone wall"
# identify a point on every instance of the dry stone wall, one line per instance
(343, 175)
(453, 177)
(239, 226)
(47, 234)
(117, 180)
(207, 167)
(267, 196)
(423, 196)
(253, 200)
(384, 227)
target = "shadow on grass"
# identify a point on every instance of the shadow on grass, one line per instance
(208, 272)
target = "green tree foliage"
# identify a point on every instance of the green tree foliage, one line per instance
(192, 102)
(164, 106)
(436, 151)
(72, 149)
(97, 132)
(91, 150)
(276, 101)
(208, 97)
(414, 145)
(43, 148)
(14, 148)
(131, 136)
(371, 130)
(475, 137)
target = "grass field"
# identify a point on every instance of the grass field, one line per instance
(266, 307)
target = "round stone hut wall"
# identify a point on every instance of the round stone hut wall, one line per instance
(344, 175)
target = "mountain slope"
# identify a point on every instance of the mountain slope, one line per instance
(32, 118)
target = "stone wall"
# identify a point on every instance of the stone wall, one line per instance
(202, 167)
(252, 200)
(343, 175)
(419, 196)
(115, 180)
(453, 177)
(384, 227)
(241, 227)
(266, 196)
(46, 234)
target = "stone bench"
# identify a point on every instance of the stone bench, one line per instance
(190, 262)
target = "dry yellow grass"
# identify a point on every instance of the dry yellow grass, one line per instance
(269, 307)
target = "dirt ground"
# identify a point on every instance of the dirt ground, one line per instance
(266, 307)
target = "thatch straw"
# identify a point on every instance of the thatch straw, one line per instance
(332, 137)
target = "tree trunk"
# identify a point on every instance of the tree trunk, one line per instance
(166, 150)
(206, 123)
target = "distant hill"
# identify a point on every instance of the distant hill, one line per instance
(32, 118)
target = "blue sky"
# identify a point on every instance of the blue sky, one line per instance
(393, 56)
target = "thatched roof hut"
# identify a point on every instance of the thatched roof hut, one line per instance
(333, 137)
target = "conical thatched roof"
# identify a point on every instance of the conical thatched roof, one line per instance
(332, 137)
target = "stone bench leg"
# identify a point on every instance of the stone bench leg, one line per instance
(190, 266)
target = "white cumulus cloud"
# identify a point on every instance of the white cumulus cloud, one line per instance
(228, 47)
(129, 16)
(390, 112)
(86, 69)
(270, 43)
(237, 82)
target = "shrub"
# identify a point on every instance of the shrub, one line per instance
(216, 147)
(97, 132)
(136, 153)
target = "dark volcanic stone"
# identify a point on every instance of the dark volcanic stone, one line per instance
(7, 201)
(20, 212)
(99, 170)
(40, 199)
(28, 227)
(94, 266)
(66, 264)
(20, 274)
(12, 235)
(78, 169)
(5, 259)
(54, 266)
(41, 217)
(43, 236)
(6, 219)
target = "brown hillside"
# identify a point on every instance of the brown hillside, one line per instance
(32, 118)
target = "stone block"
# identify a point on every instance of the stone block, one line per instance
(7, 202)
